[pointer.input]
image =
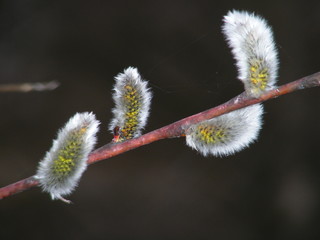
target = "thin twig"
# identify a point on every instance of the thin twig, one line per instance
(176, 129)
(27, 87)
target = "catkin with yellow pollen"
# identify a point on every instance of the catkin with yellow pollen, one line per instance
(252, 44)
(60, 170)
(132, 105)
(226, 134)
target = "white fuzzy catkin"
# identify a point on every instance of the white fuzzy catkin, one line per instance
(226, 134)
(132, 99)
(253, 47)
(63, 165)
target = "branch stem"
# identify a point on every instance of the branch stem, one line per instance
(176, 129)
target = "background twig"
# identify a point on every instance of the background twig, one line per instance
(28, 87)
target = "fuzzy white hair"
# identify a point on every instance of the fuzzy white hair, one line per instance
(78, 136)
(231, 132)
(130, 77)
(252, 44)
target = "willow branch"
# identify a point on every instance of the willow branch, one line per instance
(176, 129)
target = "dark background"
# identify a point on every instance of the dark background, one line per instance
(164, 190)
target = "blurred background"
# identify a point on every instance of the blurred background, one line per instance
(164, 190)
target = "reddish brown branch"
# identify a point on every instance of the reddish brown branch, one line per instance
(18, 187)
(175, 129)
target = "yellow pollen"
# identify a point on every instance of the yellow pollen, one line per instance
(259, 76)
(133, 105)
(68, 156)
(211, 134)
